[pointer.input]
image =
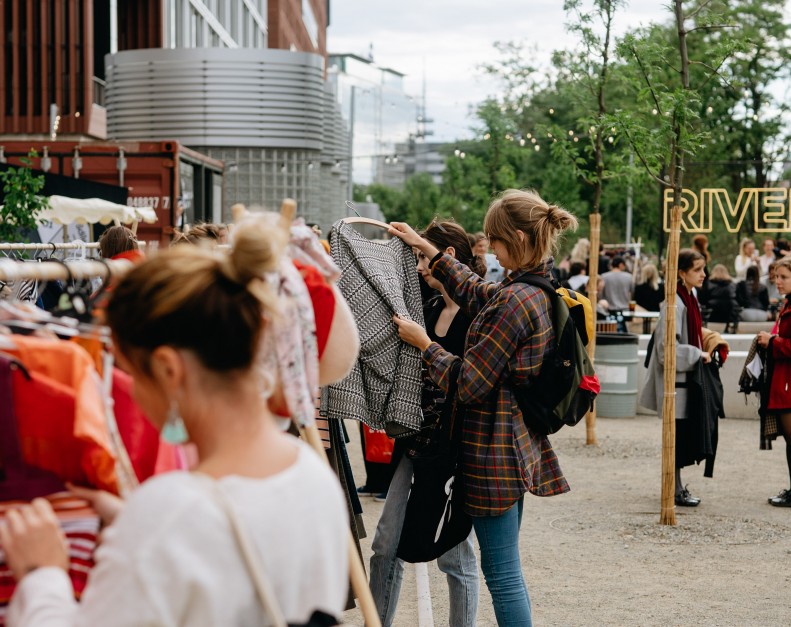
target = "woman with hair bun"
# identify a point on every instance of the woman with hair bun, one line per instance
(187, 324)
(510, 334)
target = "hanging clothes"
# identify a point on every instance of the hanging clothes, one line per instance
(378, 280)
(305, 248)
(61, 413)
(291, 349)
(21, 482)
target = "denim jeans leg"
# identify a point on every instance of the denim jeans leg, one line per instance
(498, 537)
(461, 569)
(387, 570)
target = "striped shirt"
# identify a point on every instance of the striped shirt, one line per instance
(510, 334)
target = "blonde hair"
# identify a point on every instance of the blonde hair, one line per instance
(204, 234)
(743, 243)
(541, 223)
(581, 250)
(208, 302)
(783, 262)
(720, 273)
(650, 275)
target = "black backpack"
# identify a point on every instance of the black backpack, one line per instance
(565, 388)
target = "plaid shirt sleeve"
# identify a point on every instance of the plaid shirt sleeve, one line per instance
(506, 328)
(468, 290)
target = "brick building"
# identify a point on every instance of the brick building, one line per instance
(242, 81)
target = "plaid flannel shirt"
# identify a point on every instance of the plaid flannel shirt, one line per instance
(510, 334)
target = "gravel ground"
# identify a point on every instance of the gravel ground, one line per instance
(597, 555)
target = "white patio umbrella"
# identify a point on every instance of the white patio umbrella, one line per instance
(64, 210)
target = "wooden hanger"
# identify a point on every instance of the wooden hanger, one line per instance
(360, 220)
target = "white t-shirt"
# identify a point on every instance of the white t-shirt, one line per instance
(741, 264)
(578, 281)
(171, 557)
(764, 261)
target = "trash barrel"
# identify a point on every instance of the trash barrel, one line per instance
(616, 366)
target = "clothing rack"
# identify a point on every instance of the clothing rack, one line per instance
(53, 246)
(11, 270)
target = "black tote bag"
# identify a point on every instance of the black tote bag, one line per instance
(435, 520)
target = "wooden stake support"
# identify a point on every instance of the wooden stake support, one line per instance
(667, 514)
(593, 272)
(359, 580)
(356, 569)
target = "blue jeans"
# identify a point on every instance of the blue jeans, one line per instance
(387, 571)
(498, 537)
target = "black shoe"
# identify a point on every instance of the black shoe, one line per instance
(364, 490)
(781, 500)
(685, 499)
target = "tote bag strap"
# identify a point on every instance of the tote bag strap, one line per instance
(261, 581)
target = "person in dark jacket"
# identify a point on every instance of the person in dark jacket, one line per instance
(753, 297)
(778, 346)
(650, 293)
(720, 297)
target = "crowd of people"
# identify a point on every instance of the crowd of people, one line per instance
(196, 327)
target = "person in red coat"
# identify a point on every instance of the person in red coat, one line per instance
(778, 344)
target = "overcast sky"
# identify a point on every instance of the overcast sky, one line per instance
(451, 38)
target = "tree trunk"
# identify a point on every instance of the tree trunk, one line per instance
(593, 273)
(668, 512)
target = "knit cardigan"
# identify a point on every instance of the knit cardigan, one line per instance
(378, 280)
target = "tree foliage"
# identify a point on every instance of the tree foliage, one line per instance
(541, 129)
(22, 203)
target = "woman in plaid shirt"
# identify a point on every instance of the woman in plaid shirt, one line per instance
(510, 334)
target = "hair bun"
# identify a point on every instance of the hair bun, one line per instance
(258, 243)
(560, 219)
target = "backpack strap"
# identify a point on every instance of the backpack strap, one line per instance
(536, 280)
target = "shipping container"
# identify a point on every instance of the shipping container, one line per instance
(182, 185)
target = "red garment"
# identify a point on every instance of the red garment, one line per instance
(148, 453)
(60, 413)
(135, 256)
(694, 319)
(323, 299)
(780, 347)
(80, 524)
(140, 437)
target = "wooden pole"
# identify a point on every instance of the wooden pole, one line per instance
(356, 569)
(359, 580)
(667, 514)
(593, 273)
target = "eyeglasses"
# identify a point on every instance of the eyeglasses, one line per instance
(434, 223)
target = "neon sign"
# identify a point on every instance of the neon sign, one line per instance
(770, 208)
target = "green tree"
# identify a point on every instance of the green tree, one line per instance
(389, 199)
(676, 136)
(22, 202)
(421, 199)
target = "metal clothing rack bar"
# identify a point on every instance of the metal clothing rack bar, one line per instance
(11, 270)
(52, 246)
